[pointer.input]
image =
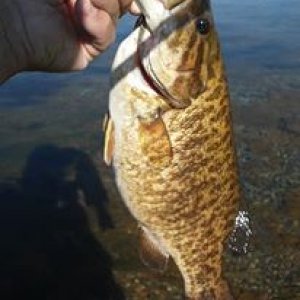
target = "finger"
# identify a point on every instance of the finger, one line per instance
(116, 8)
(112, 7)
(97, 25)
(124, 5)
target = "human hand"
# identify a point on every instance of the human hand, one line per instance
(57, 35)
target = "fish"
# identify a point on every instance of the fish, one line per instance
(170, 140)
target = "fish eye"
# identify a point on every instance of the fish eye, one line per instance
(203, 26)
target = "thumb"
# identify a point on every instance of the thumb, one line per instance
(130, 6)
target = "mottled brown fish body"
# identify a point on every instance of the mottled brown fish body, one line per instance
(177, 173)
(192, 203)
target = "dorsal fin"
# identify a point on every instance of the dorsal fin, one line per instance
(151, 252)
(155, 142)
(109, 140)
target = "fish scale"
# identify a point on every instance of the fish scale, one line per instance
(175, 167)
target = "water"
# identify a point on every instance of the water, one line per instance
(263, 34)
(54, 247)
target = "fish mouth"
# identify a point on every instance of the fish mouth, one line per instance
(179, 103)
(151, 77)
(160, 10)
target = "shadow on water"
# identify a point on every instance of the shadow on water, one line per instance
(48, 250)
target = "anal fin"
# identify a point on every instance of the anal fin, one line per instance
(151, 251)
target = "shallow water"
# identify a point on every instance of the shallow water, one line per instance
(59, 202)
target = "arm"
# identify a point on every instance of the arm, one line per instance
(11, 58)
(55, 35)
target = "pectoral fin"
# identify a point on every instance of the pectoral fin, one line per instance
(151, 252)
(155, 142)
(109, 140)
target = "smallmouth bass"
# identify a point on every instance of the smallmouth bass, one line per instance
(169, 137)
